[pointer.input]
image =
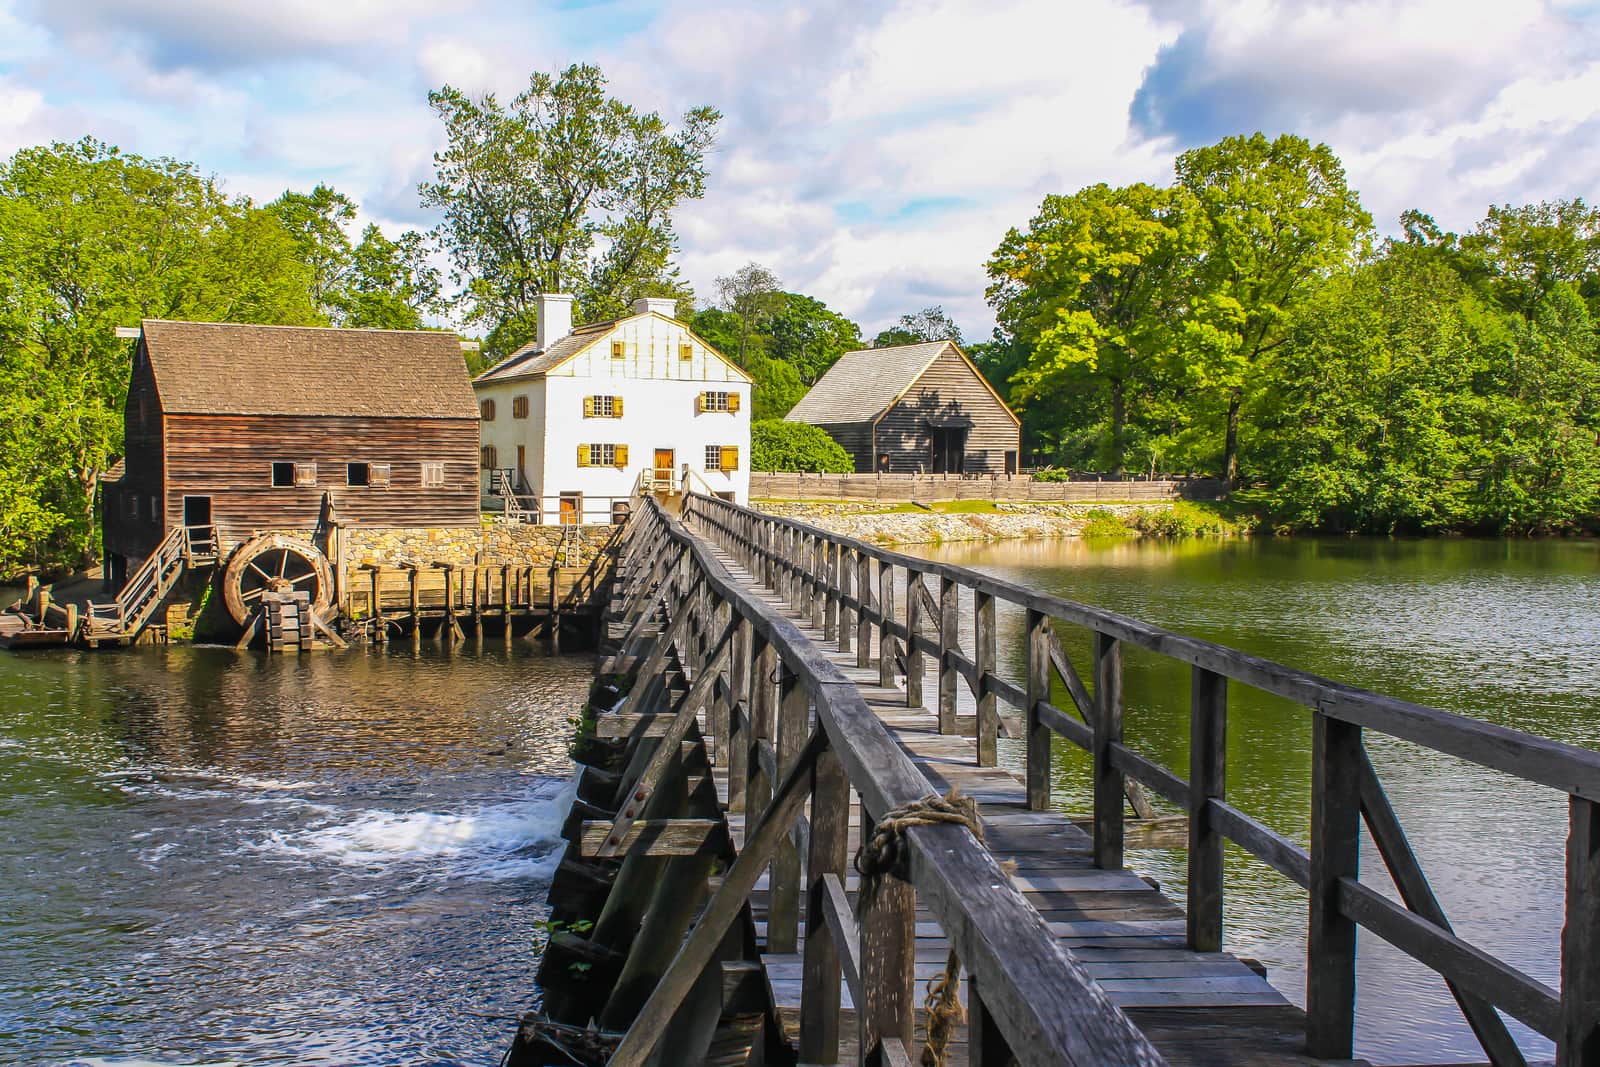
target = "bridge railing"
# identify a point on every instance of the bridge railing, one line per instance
(796, 729)
(849, 589)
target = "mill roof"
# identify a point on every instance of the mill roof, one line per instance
(865, 382)
(215, 368)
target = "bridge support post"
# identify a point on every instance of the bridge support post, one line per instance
(984, 657)
(1579, 1042)
(885, 621)
(949, 645)
(915, 592)
(1335, 854)
(783, 911)
(1038, 734)
(888, 964)
(830, 828)
(844, 568)
(1110, 788)
(863, 619)
(739, 716)
(1208, 732)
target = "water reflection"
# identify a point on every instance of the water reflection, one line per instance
(338, 858)
(1504, 631)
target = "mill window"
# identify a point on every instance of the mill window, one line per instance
(486, 454)
(602, 407)
(722, 457)
(519, 407)
(486, 409)
(432, 475)
(283, 474)
(357, 474)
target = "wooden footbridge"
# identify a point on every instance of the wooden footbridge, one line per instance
(781, 694)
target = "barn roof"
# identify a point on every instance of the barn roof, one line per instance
(863, 383)
(215, 368)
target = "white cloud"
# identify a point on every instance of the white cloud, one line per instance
(873, 153)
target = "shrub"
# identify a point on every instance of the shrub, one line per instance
(776, 445)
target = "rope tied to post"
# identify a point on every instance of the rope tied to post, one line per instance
(886, 854)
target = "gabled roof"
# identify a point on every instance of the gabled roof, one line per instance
(530, 362)
(865, 382)
(215, 368)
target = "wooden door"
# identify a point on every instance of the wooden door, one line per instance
(571, 505)
(664, 468)
(522, 466)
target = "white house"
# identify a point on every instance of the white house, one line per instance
(577, 419)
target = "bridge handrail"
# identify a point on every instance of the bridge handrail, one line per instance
(1036, 994)
(816, 569)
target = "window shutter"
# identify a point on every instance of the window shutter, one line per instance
(378, 475)
(583, 455)
(617, 351)
(588, 407)
(730, 457)
(622, 456)
(305, 474)
(686, 351)
(486, 409)
(733, 402)
(699, 403)
(616, 407)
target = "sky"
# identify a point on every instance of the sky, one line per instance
(873, 153)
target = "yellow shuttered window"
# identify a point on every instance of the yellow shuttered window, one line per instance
(730, 457)
(699, 403)
(616, 407)
(618, 351)
(621, 456)
(686, 351)
(733, 401)
(588, 406)
(583, 455)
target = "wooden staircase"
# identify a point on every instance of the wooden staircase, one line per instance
(121, 621)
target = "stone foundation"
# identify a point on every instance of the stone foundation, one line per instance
(489, 543)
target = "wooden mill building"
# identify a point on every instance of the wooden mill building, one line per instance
(250, 429)
(914, 409)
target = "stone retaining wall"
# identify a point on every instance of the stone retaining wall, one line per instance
(869, 522)
(488, 543)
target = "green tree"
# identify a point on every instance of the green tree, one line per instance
(1095, 290)
(392, 284)
(1277, 218)
(752, 296)
(776, 445)
(567, 189)
(317, 221)
(929, 324)
(1521, 254)
(810, 337)
(93, 240)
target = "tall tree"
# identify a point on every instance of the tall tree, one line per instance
(929, 324)
(567, 189)
(317, 221)
(392, 283)
(810, 337)
(1277, 218)
(1095, 289)
(752, 295)
(1523, 253)
(95, 239)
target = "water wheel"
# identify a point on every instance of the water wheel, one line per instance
(279, 564)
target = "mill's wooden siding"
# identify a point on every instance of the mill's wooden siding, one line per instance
(144, 470)
(229, 458)
(949, 388)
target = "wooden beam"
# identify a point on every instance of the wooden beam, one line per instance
(657, 837)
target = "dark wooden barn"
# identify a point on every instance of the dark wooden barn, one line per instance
(250, 429)
(914, 409)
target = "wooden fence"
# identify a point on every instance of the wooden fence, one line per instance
(849, 587)
(930, 488)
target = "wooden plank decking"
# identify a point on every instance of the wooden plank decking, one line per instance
(1197, 1008)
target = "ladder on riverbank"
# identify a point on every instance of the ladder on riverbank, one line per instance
(136, 603)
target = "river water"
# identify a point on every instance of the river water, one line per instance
(1507, 631)
(215, 858)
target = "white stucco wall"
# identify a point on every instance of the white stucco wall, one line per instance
(659, 390)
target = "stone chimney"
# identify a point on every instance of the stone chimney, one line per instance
(555, 318)
(661, 305)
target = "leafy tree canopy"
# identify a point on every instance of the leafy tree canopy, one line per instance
(564, 189)
(929, 324)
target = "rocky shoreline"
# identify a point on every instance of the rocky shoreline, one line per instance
(889, 525)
